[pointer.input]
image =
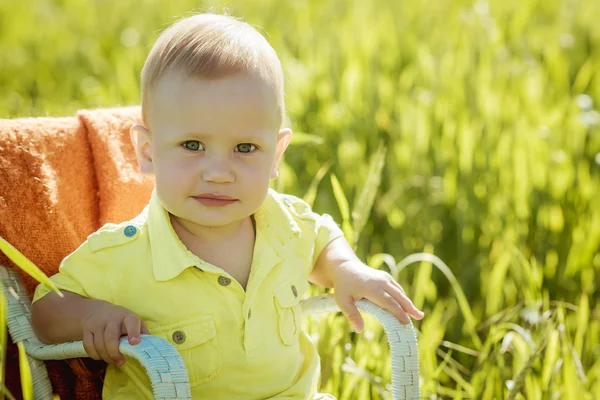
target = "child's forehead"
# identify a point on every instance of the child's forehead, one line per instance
(231, 102)
(175, 83)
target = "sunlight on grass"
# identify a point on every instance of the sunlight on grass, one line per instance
(461, 139)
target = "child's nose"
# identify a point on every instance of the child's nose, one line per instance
(217, 170)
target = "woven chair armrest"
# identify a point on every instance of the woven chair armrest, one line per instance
(401, 338)
(163, 363)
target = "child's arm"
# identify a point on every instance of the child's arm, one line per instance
(98, 323)
(338, 266)
(334, 264)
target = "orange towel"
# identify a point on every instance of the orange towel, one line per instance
(60, 180)
(122, 190)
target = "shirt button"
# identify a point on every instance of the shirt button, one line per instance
(178, 337)
(249, 313)
(130, 230)
(294, 291)
(224, 281)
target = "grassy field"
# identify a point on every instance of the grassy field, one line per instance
(476, 126)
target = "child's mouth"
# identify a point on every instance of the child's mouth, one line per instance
(214, 200)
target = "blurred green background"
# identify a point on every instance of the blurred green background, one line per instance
(465, 129)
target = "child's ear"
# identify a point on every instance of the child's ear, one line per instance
(140, 137)
(283, 140)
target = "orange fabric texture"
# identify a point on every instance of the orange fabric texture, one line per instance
(122, 190)
(60, 180)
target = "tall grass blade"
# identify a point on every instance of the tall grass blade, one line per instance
(26, 265)
(343, 206)
(25, 371)
(311, 193)
(366, 198)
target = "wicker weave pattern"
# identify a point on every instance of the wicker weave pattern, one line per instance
(401, 338)
(162, 362)
(18, 317)
(165, 366)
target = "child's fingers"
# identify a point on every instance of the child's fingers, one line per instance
(99, 345)
(389, 303)
(88, 345)
(144, 330)
(132, 325)
(112, 334)
(397, 285)
(402, 299)
(351, 312)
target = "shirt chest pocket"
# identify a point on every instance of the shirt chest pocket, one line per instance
(287, 298)
(196, 340)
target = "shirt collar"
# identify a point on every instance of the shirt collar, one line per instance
(170, 257)
(276, 223)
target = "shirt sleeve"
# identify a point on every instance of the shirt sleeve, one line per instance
(327, 231)
(323, 229)
(81, 273)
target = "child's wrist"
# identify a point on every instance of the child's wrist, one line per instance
(341, 269)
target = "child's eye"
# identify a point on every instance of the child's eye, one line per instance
(193, 145)
(245, 148)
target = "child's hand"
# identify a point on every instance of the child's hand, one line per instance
(103, 329)
(354, 281)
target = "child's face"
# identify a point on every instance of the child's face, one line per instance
(212, 137)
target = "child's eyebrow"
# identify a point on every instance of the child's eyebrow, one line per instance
(240, 138)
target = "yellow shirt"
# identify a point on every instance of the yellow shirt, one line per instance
(236, 344)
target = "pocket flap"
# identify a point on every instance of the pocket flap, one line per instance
(290, 293)
(188, 333)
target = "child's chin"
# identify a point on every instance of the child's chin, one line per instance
(211, 219)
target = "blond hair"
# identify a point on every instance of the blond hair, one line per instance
(211, 46)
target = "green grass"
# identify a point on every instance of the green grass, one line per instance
(476, 127)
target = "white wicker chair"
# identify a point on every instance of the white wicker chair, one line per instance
(163, 363)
